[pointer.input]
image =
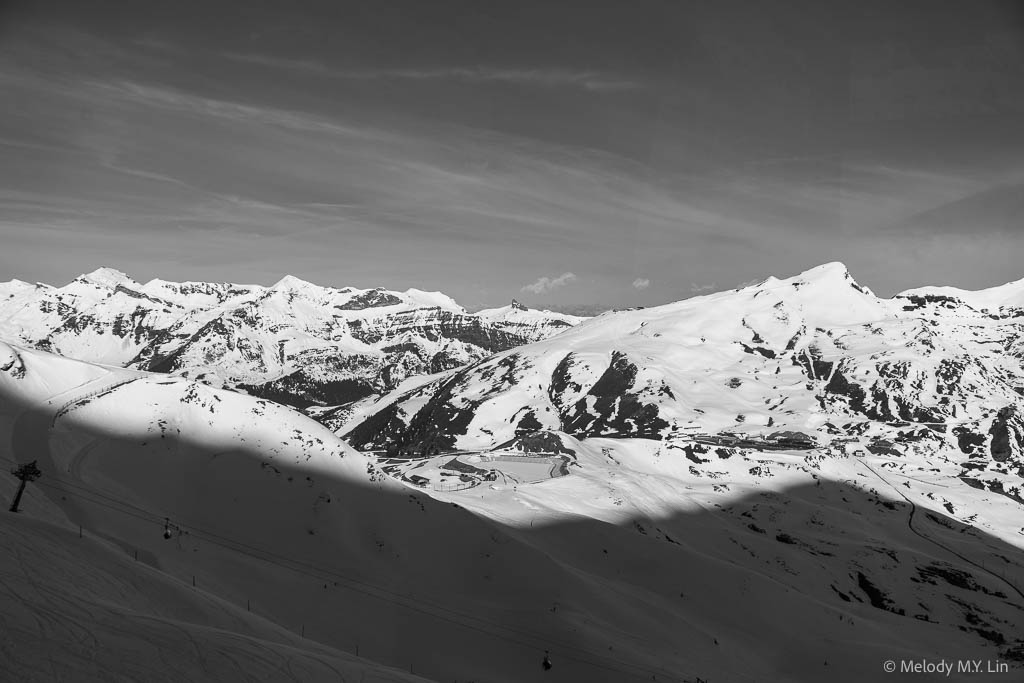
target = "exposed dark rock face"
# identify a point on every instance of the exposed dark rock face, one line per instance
(544, 442)
(917, 301)
(877, 597)
(528, 424)
(300, 391)
(691, 450)
(437, 425)
(381, 428)
(813, 366)
(439, 422)
(216, 330)
(969, 442)
(887, 399)
(995, 486)
(375, 298)
(1007, 432)
(611, 407)
(438, 324)
(619, 411)
(766, 352)
(134, 294)
(854, 394)
(950, 372)
(561, 381)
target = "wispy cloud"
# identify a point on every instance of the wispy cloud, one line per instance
(551, 77)
(302, 185)
(169, 99)
(641, 283)
(546, 284)
(264, 181)
(695, 288)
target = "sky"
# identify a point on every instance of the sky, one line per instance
(567, 154)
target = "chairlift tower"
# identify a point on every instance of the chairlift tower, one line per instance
(26, 473)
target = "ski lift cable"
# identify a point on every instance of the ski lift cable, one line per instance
(90, 495)
(403, 601)
(331, 574)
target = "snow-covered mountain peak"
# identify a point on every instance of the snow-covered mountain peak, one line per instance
(108, 277)
(9, 290)
(827, 279)
(1009, 295)
(290, 282)
(830, 271)
(826, 295)
(518, 314)
(433, 300)
(773, 310)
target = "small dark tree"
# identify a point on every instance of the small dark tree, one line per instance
(25, 473)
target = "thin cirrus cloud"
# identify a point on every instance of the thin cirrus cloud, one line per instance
(641, 283)
(550, 77)
(170, 99)
(546, 284)
(135, 160)
(301, 161)
(339, 186)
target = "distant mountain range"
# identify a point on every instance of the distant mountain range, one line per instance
(295, 342)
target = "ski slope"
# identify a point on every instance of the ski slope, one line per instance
(79, 609)
(640, 563)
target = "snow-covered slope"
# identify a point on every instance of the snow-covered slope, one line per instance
(294, 342)
(995, 299)
(817, 355)
(631, 568)
(268, 508)
(804, 399)
(80, 609)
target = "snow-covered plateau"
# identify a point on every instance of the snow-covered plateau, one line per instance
(792, 481)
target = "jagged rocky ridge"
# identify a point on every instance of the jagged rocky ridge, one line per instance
(815, 360)
(295, 342)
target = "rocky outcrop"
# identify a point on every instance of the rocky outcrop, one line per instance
(611, 407)
(1007, 436)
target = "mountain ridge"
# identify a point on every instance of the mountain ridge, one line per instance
(815, 354)
(294, 341)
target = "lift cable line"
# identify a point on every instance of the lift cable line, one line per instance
(372, 590)
(320, 573)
